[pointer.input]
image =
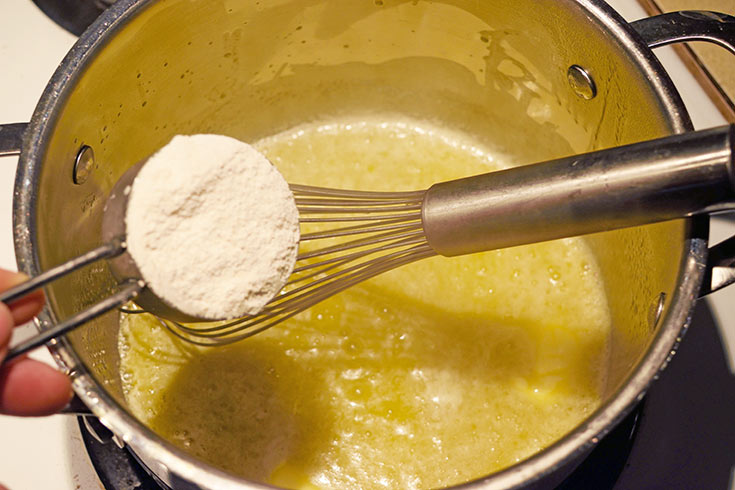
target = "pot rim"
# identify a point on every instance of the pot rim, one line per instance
(181, 465)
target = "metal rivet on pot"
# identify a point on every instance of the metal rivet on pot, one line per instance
(581, 82)
(657, 308)
(83, 164)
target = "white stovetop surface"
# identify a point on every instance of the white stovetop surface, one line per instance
(47, 453)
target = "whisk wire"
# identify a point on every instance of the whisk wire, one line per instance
(411, 222)
(226, 333)
(328, 264)
(360, 243)
(301, 190)
(293, 298)
(383, 231)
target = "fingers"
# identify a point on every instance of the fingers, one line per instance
(25, 308)
(29, 387)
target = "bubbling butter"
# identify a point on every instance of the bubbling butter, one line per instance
(430, 375)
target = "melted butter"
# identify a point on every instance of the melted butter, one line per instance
(430, 375)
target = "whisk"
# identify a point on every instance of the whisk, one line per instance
(351, 236)
(362, 234)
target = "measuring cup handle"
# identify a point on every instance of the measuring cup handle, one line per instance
(126, 293)
(11, 138)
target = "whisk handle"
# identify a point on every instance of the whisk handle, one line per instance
(658, 180)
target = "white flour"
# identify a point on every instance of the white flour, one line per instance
(212, 226)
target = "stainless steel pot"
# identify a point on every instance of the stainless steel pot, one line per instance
(536, 78)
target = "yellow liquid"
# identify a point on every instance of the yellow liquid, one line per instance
(434, 374)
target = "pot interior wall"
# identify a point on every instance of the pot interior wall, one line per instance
(497, 70)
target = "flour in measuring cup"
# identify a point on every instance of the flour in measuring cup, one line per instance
(212, 226)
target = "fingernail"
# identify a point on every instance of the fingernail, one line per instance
(9, 279)
(19, 277)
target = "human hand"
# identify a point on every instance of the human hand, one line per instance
(27, 387)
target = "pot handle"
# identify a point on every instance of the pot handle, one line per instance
(718, 28)
(687, 25)
(11, 138)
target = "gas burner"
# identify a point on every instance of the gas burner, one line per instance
(118, 469)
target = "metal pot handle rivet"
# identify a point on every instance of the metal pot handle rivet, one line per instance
(581, 82)
(83, 164)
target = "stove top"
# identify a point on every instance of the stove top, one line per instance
(682, 436)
